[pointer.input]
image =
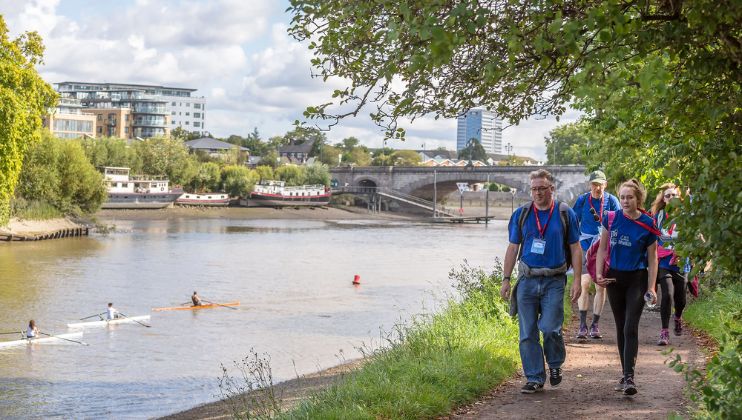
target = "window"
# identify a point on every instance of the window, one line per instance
(100, 130)
(188, 113)
(173, 104)
(100, 117)
(186, 123)
(197, 106)
(126, 117)
(197, 124)
(126, 130)
(172, 113)
(188, 104)
(196, 115)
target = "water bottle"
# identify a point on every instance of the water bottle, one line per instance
(649, 299)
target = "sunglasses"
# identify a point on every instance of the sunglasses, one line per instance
(670, 195)
(595, 214)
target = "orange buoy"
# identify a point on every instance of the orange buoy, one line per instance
(356, 279)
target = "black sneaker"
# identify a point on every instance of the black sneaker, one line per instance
(531, 387)
(621, 385)
(555, 376)
(630, 387)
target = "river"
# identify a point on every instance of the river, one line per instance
(293, 278)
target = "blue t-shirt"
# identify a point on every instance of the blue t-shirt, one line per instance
(629, 242)
(588, 225)
(660, 219)
(553, 255)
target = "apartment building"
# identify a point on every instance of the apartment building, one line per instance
(482, 125)
(154, 110)
(68, 121)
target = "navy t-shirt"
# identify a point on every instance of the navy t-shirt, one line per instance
(629, 242)
(553, 255)
(588, 225)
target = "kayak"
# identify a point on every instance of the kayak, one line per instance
(54, 339)
(105, 322)
(190, 307)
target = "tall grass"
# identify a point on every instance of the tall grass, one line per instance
(438, 362)
(33, 210)
(717, 311)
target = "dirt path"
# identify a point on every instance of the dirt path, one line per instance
(591, 371)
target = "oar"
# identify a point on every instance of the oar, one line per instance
(219, 304)
(144, 325)
(91, 316)
(66, 339)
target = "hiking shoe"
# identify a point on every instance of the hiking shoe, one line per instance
(664, 337)
(595, 332)
(678, 326)
(621, 385)
(629, 387)
(582, 333)
(555, 376)
(531, 387)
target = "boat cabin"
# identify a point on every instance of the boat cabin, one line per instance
(118, 180)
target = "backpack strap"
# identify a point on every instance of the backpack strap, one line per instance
(564, 215)
(525, 210)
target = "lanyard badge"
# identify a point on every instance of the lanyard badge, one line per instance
(538, 246)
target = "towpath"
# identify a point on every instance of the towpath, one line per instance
(591, 371)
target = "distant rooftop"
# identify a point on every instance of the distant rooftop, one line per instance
(119, 86)
(207, 143)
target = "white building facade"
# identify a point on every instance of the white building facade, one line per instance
(482, 125)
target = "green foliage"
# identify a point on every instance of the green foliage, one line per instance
(317, 174)
(33, 209)
(185, 135)
(238, 181)
(24, 99)
(473, 151)
(109, 151)
(291, 174)
(390, 157)
(719, 314)
(58, 172)
(168, 156)
(567, 143)
(329, 155)
(493, 186)
(264, 172)
(433, 365)
(270, 158)
(208, 178)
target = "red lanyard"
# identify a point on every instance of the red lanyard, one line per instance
(538, 222)
(651, 229)
(602, 201)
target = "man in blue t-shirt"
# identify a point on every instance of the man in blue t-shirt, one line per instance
(537, 241)
(591, 209)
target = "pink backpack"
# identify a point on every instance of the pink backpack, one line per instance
(592, 252)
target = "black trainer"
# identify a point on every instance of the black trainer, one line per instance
(531, 387)
(555, 376)
(630, 387)
(621, 385)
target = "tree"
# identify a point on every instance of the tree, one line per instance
(359, 156)
(208, 178)
(405, 158)
(264, 172)
(473, 151)
(301, 134)
(185, 135)
(291, 174)
(24, 99)
(658, 80)
(164, 155)
(329, 155)
(317, 174)
(238, 181)
(110, 151)
(383, 157)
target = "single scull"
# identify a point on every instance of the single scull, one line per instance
(59, 338)
(105, 322)
(190, 308)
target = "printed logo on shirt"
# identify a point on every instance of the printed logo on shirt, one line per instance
(625, 240)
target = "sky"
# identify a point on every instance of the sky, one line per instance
(236, 53)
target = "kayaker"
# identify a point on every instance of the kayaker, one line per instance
(32, 331)
(196, 299)
(111, 312)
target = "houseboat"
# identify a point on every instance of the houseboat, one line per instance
(137, 191)
(277, 194)
(204, 199)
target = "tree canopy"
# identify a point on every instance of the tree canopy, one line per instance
(658, 81)
(24, 100)
(473, 151)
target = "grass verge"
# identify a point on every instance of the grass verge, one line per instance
(716, 312)
(33, 210)
(433, 365)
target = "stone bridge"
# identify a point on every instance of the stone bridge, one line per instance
(419, 180)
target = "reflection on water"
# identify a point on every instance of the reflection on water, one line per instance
(292, 276)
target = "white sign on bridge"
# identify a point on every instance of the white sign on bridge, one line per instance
(463, 186)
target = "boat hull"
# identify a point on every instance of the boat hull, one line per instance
(105, 323)
(140, 200)
(56, 339)
(204, 200)
(260, 200)
(193, 308)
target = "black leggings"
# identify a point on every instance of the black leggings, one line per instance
(626, 296)
(672, 284)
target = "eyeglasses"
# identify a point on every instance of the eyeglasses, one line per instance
(540, 189)
(670, 195)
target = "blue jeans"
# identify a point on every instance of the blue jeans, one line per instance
(541, 308)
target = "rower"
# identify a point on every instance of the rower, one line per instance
(196, 299)
(111, 312)
(32, 331)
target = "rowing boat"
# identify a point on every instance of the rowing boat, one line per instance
(190, 308)
(53, 339)
(106, 322)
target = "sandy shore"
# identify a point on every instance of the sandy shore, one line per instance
(22, 227)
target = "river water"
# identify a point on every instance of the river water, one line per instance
(293, 278)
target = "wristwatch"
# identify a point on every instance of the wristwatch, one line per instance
(506, 278)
